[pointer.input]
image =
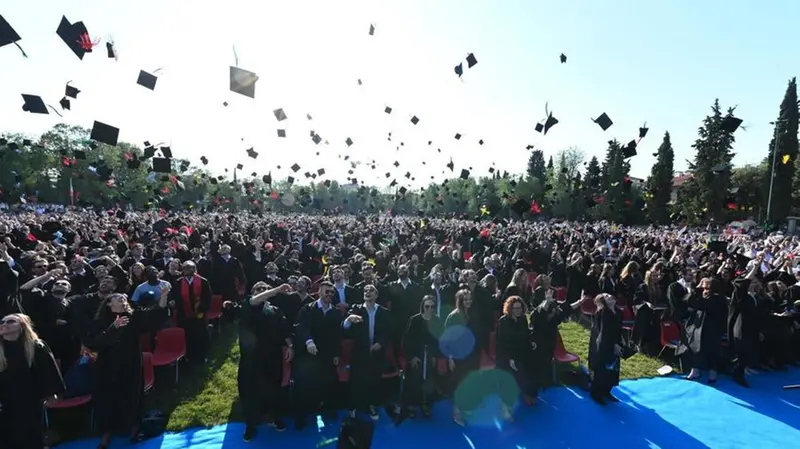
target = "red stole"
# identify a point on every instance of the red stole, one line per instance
(189, 306)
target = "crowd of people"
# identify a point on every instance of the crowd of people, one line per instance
(348, 302)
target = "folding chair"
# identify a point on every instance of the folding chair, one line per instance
(561, 356)
(170, 348)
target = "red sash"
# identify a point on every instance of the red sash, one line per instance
(189, 308)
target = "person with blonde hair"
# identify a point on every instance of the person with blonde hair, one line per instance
(28, 376)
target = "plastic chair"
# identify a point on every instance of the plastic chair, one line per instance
(145, 342)
(214, 312)
(344, 361)
(62, 404)
(670, 336)
(560, 294)
(170, 348)
(628, 319)
(149, 372)
(561, 356)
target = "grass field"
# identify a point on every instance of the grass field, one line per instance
(207, 395)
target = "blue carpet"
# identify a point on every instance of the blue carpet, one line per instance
(654, 413)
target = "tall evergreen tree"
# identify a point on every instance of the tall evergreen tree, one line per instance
(593, 178)
(614, 173)
(550, 163)
(536, 167)
(784, 159)
(659, 184)
(710, 169)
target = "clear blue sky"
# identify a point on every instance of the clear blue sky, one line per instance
(659, 62)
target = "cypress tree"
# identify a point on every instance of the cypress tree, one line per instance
(786, 132)
(659, 184)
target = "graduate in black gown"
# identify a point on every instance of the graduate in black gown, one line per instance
(744, 326)
(263, 332)
(605, 349)
(117, 375)
(704, 329)
(544, 321)
(28, 376)
(515, 351)
(421, 348)
(468, 358)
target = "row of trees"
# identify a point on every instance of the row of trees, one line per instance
(565, 185)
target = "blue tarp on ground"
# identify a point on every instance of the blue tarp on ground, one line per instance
(654, 413)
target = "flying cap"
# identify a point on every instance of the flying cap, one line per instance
(105, 133)
(243, 82)
(147, 80)
(64, 103)
(629, 150)
(8, 35)
(459, 69)
(252, 153)
(414, 120)
(349, 141)
(372, 29)
(71, 91)
(34, 104)
(281, 133)
(279, 114)
(471, 61)
(604, 121)
(563, 58)
(643, 131)
(730, 124)
(161, 165)
(72, 34)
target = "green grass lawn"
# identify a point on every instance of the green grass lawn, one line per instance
(207, 395)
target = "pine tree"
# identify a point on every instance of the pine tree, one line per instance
(614, 172)
(550, 163)
(710, 169)
(536, 167)
(659, 184)
(787, 151)
(593, 179)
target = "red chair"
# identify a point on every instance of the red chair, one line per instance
(214, 312)
(561, 356)
(62, 404)
(670, 338)
(145, 342)
(149, 371)
(170, 348)
(628, 320)
(391, 359)
(344, 361)
(560, 294)
(441, 366)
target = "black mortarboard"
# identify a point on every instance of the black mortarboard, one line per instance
(563, 58)
(349, 141)
(104, 172)
(79, 154)
(34, 104)
(539, 127)
(480, 142)
(290, 179)
(111, 50)
(372, 29)
(252, 153)
(414, 120)
(204, 160)
(104, 133)
(459, 69)
(549, 123)
(643, 131)
(279, 114)
(730, 124)
(471, 61)
(243, 82)
(316, 139)
(71, 92)
(629, 150)
(321, 171)
(239, 166)
(147, 80)
(7, 33)
(295, 167)
(464, 173)
(267, 179)
(64, 103)
(71, 34)
(161, 165)
(604, 121)
(281, 133)
(457, 136)
(149, 152)
(387, 110)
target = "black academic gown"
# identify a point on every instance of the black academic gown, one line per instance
(22, 391)
(744, 325)
(471, 362)
(117, 376)
(421, 340)
(544, 322)
(606, 332)
(367, 366)
(704, 329)
(514, 343)
(262, 335)
(316, 376)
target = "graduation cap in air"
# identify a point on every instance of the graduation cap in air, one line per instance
(267, 179)
(134, 164)
(204, 160)
(239, 166)
(147, 80)
(387, 110)
(643, 130)
(166, 152)
(372, 29)
(9, 36)
(252, 153)
(316, 139)
(71, 91)
(64, 102)
(549, 122)
(75, 36)
(414, 120)
(34, 104)
(279, 114)
(629, 150)
(459, 69)
(471, 61)
(604, 121)
(730, 124)
(161, 165)
(349, 141)
(111, 50)
(457, 136)
(103, 133)
(295, 167)
(464, 174)
(563, 58)
(281, 133)
(243, 82)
